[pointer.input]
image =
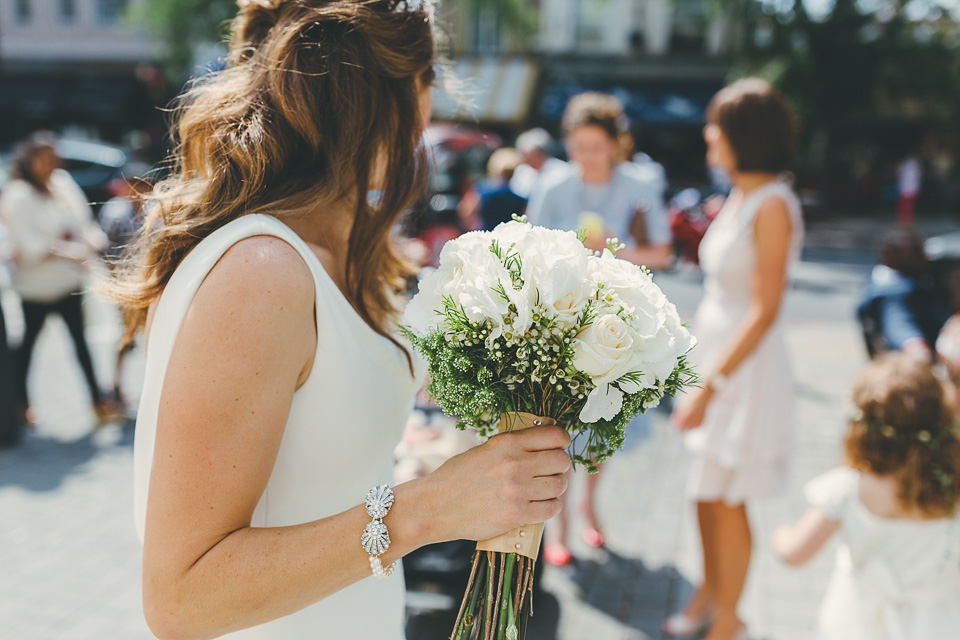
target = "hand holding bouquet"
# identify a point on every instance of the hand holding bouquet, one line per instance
(526, 320)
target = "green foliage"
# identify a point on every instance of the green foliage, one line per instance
(183, 25)
(519, 18)
(853, 65)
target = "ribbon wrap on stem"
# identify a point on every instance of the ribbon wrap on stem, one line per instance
(504, 566)
(523, 540)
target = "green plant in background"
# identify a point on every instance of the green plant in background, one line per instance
(852, 65)
(184, 26)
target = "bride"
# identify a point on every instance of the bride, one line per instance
(275, 388)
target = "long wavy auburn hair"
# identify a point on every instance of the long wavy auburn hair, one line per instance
(316, 97)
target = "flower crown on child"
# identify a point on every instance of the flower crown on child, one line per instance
(930, 439)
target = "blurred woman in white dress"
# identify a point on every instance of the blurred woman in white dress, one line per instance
(739, 423)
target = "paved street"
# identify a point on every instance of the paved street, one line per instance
(69, 558)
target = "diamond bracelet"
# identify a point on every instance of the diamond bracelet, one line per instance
(375, 539)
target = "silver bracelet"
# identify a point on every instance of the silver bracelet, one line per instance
(375, 539)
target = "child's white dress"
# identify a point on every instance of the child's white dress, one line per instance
(894, 579)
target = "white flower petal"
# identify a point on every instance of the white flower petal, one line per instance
(603, 403)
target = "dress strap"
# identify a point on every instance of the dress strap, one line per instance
(777, 189)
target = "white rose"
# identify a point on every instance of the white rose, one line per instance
(569, 306)
(617, 274)
(556, 262)
(603, 350)
(508, 234)
(603, 403)
(471, 274)
(423, 313)
(685, 341)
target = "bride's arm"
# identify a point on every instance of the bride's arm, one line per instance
(244, 347)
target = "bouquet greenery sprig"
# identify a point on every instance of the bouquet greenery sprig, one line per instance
(526, 320)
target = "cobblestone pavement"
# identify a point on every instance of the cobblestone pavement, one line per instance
(69, 558)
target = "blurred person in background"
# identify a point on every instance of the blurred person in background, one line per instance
(739, 423)
(537, 148)
(607, 197)
(599, 191)
(903, 309)
(909, 181)
(55, 238)
(121, 218)
(498, 202)
(894, 506)
(948, 350)
(9, 427)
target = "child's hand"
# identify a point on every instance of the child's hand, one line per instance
(798, 543)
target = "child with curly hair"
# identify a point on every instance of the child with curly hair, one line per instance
(897, 572)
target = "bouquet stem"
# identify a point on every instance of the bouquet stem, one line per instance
(499, 597)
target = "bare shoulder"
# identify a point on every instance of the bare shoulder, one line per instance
(260, 286)
(773, 218)
(773, 206)
(262, 263)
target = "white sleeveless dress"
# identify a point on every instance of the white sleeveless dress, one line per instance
(742, 448)
(344, 423)
(894, 579)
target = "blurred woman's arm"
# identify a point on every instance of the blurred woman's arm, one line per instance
(773, 229)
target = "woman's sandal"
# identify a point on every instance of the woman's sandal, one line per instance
(592, 538)
(557, 555)
(682, 626)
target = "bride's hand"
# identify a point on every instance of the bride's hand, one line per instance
(512, 480)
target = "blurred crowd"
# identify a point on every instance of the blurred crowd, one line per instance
(745, 231)
(902, 454)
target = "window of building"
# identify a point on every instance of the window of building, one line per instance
(68, 11)
(591, 17)
(487, 36)
(110, 11)
(24, 11)
(690, 21)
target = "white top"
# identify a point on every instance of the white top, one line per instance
(561, 198)
(748, 424)
(894, 578)
(37, 222)
(525, 177)
(909, 177)
(343, 425)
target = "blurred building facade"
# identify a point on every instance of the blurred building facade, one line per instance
(76, 64)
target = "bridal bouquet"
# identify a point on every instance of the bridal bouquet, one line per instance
(521, 326)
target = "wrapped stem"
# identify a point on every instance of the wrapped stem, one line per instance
(499, 596)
